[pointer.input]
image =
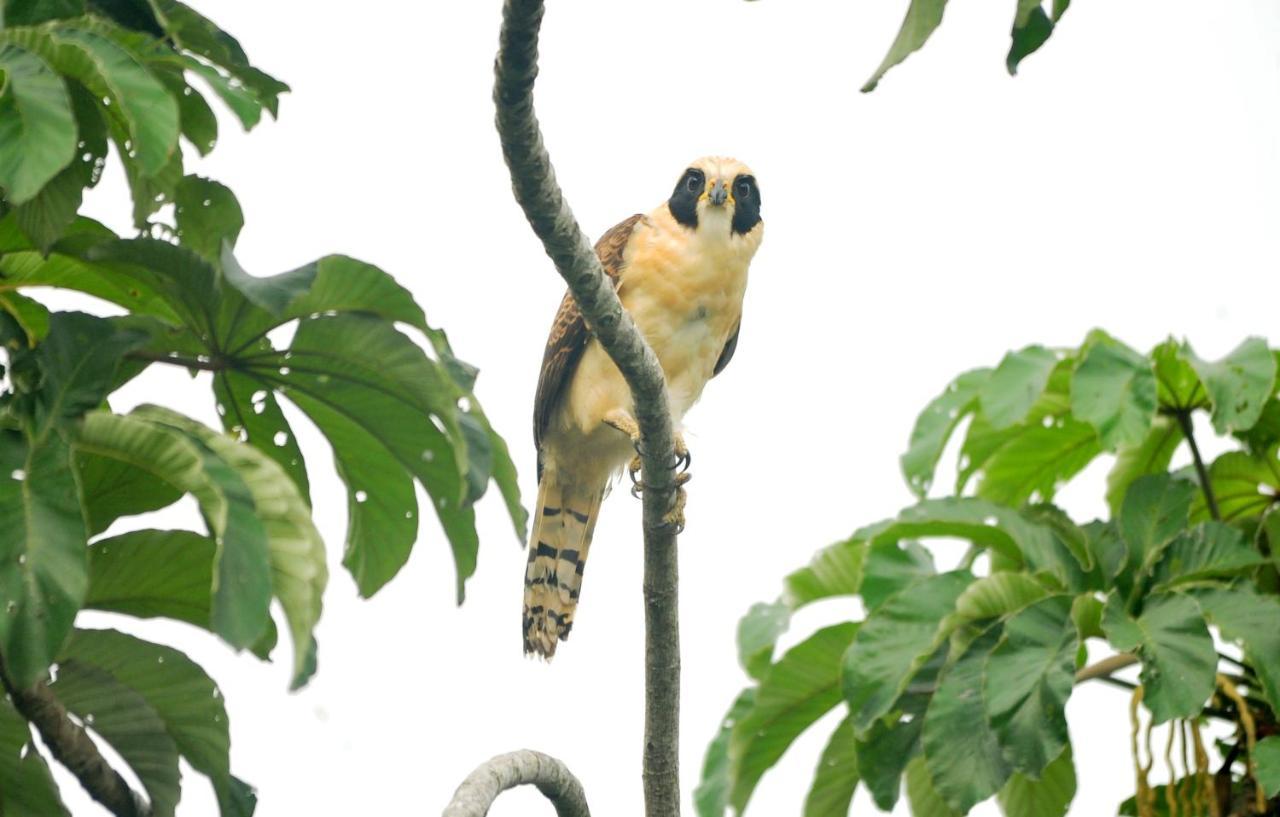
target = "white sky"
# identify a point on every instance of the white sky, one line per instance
(1128, 179)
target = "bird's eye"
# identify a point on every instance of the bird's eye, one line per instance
(693, 183)
(744, 190)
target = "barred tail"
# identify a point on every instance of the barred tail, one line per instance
(563, 523)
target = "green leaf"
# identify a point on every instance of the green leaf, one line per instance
(1265, 434)
(882, 755)
(32, 12)
(891, 566)
(1238, 384)
(1027, 681)
(1150, 456)
(836, 570)
(1031, 29)
(113, 488)
(961, 751)
(1154, 511)
(1114, 390)
(923, 16)
(1178, 658)
(1243, 615)
(1036, 461)
(1209, 550)
(37, 127)
(934, 426)
(1048, 796)
(1266, 759)
(1016, 385)
(27, 788)
(148, 573)
(802, 687)
(1110, 553)
(1243, 485)
(298, 569)
(206, 214)
(923, 795)
(711, 797)
(1177, 384)
(124, 720)
(253, 414)
(758, 631)
(43, 573)
(78, 360)
(836, 776)
(187, 702)
(990, 597)
(31, 315)
(894, 641)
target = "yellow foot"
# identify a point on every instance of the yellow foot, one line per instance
(675, 516)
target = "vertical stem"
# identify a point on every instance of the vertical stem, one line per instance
(534, 185)
(1188, 431)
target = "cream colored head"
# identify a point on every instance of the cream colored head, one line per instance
(717, 193)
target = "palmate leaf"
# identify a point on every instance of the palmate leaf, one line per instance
(882, 756)
(27, 788)
(1210, 550)
(1033, 463)
(758, 631)
(1178, 659)
(37, 127)
(803, 686)
(892, 566)
(711, 797)
(1238, 385)
(836, 776)
(934, 426)
(125, 720)
(1154, 511)
(186, 701)
(1026, 683)
(1247, 617)
(1244, 485)
(923, 795)
(1114, 390)
(1266, 759)
(1016, 385)
(1150, 456)
(1048, 796)
(895, 641)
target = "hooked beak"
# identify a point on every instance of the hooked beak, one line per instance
(719, 193)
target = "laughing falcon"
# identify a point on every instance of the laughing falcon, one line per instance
(680, 272)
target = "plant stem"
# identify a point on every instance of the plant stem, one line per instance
(477, 793)
(1188, 431)
(535, 188)
(73, 748)
(1105, 667)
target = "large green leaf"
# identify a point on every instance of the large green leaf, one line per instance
(1016, 385)
(37, 128)
(253, 414)
(1154, 511)
(1050, 795)
(1114, 390)
(836, 776)
(711, 797)
(1266, 760)
(125, 720)
(1238, 384)
(923, 16)
(961, 751)
(835, 570)
(890, 567)
(1178, 659)
(1036, 461)
(1028, 679)
(1150, 456)
(802, 687)
(181, 694)
(758, 631)
(206, 214)
(1178, 386)
(883, 754)
(1244, 485)
(894, 641)
(1243, 615)
(1209, 550)
(923, 795)
(1031, 29)
(149, 573)
(934, 426)
(77, 361)
(43, 573)
(27, 788)
(298, 569)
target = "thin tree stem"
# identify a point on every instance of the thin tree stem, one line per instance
(73, 748)
(476, 794)
(534, 184)
(1188, 431)
(1106, 667)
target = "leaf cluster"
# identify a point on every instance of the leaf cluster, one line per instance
(956, 681)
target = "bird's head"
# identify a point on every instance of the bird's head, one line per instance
(717, 194)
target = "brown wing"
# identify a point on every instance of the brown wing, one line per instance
(569, 335)
(726, 354)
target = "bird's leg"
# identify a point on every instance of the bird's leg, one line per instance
(624, 422)
(675, 516)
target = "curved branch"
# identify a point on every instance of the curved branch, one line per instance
(1105, 667)
(73, 748)
(476, 794)
(534, 184)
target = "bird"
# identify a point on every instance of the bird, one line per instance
(680, 271)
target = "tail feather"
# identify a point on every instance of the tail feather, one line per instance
(564, 521)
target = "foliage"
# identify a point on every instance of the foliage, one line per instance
(1033, 23)
(333, 338)
(954, 682)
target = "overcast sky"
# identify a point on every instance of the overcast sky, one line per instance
(1129, 178)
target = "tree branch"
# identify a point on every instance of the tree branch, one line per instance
(476, 794)
(1188, 431)
(73, 748)
(1105, 667)
(534, 184)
